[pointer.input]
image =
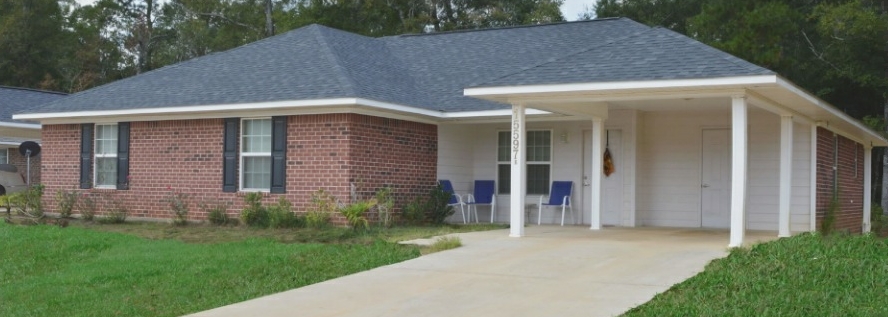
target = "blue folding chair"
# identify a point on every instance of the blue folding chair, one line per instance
(455, 199)
(558, 196)
(483, 194)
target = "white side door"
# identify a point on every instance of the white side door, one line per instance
(715, 187)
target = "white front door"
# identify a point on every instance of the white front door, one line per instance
(715, 187)
(612, 196)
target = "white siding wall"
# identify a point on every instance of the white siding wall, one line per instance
(667, 169)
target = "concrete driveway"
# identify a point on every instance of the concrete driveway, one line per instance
(554, 271)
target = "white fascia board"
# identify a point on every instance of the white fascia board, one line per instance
(172, 112)
(32, 126)
(188, 109)
(785, 84)
(490, 113)
(621, 85)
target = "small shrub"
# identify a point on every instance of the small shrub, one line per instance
(323, 206)
(281, 215)
(254, 214)
(877, 219)
(217, 214)
(414, 212)
(29, 202)
(66, 200)
(178, 202)
(436, 207)
(354, 213)
(117, 213)
(384, 205)
(445, 243)
(87, 206)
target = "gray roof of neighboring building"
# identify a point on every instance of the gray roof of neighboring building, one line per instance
(15, 100)
(426, 71)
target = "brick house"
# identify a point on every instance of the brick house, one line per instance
(14, 132)
(699, 138)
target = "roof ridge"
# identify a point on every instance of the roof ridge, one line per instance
(582, 51)
(34, 90)
(524, 26)
(349, 84)
(728, 57)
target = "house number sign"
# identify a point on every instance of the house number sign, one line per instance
(516, 136)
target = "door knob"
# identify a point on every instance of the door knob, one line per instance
(705, 186)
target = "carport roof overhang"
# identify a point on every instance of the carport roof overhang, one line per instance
(770, 92)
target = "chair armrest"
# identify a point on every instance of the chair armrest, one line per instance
(566, 200)
(470, 198)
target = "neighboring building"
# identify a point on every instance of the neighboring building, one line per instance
(14, 132)
(318, 108)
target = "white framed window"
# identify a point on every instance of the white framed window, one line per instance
(255, 154)
(105, 169)
(4, 156)
(539, 162)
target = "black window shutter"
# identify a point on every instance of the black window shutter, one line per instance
(278, 154)
(123, 155)
(86, 152)
(229, 155)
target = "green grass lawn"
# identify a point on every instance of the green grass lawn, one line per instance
(806, 275)
(150, 269)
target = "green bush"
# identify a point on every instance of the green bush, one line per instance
(323, 206)
(354, 213)
(254, 214)
(178, 202)
(384, 206)
(281, 215)
(436, 207)
(877, 219)
(87, 206)
(414, 212)
(29, 202)
(217, 214)
(117, 214)
(66, 200)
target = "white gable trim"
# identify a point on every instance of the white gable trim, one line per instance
(334, 105)
(622, 85)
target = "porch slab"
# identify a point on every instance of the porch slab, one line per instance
(553, 271)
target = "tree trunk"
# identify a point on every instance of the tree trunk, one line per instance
(269, 21)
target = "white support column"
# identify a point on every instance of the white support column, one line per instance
(519, 171)
(785, 176)
(867, 187)
(597, 170)
(813, 181)
(738, 170)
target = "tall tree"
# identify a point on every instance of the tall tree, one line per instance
(29, 32)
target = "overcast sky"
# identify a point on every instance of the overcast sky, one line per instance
(570, 9)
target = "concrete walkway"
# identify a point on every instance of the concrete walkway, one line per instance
(554, 271)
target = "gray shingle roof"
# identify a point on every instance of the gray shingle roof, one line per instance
(653, 54)
(15, 100)
(426, 71)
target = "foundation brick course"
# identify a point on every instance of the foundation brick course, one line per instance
(334, 152)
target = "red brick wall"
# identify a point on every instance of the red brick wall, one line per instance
(20, 161)
(323, 152)
(850, 180)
